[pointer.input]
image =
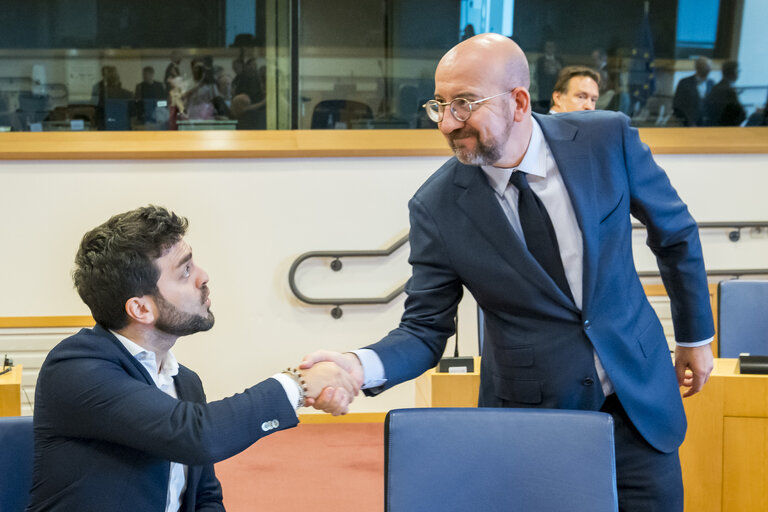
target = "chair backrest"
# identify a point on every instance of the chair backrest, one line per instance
(742, 309)
(16, 452)
(499, 459)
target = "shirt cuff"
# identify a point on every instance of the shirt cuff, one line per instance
(695, 343)
(373, 369)
(291, 388)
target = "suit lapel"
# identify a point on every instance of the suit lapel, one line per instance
(575, 164)
(478, 201)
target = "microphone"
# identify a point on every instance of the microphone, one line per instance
(457, 363)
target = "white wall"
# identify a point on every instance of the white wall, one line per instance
(251, 218)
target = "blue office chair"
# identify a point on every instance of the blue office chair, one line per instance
(742, 307)
(499, 459)
(16, 452)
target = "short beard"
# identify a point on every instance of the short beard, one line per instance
(178, 323)
(486, 152)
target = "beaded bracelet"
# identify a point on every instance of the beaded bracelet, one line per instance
(298, 377)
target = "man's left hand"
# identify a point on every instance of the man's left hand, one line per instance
(693, 366)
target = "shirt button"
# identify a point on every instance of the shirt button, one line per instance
(588, 381)
(587, 325)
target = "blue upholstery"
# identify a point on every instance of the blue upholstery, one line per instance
(499, 459)
(742, 318)
(16, 452)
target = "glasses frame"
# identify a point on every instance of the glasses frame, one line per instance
(441, 111)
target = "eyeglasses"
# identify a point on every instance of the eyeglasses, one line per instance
(461, 108)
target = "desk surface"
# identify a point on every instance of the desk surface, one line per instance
(10, 392)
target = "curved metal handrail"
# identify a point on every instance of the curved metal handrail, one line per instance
(734, 235)
(336, 265)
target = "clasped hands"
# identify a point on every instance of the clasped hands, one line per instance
(333, 380)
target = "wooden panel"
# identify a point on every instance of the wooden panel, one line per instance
(25, 322)
(701, 454)
(320, 143)
(745, 464)
(10, 392)
(435, 389)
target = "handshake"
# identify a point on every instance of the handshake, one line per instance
(332, 379)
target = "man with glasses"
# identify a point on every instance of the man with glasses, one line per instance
(532, 216)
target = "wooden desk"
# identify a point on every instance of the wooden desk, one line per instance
(434, 389)
(10, 392)
(725, 453)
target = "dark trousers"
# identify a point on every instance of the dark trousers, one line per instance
(647, 479)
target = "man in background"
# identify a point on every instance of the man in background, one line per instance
(119, 424)
(688, 103)
(722, 105)
(577, 88)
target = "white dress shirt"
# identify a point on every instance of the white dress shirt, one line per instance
(545, 180)
(163, 379)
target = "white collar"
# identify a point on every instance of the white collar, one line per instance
(169, 366)
(534, 162)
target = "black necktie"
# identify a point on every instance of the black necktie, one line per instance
(539, 232)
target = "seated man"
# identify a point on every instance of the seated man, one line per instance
(577, 88)
(120, 425)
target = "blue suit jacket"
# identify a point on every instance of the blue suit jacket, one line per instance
(538, 345)
(105, 434)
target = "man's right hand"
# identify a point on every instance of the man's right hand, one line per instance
(337, 387)
(346, 360)
(334, 399)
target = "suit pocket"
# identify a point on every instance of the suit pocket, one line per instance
(516, 357)
(520, 391)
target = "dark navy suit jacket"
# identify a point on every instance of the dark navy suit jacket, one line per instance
(538, 345)
(105, 434)
(687, 104)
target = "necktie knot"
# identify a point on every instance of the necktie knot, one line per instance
(520, 180)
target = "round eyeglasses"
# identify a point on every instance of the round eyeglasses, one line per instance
(461, 108)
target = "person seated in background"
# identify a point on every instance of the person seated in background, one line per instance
(690, 93)
(110, 94)
(577, 88)
(722, 106)
(759, 117)
(119, 424)
(248, 115)
(149, 88)
(148, 91)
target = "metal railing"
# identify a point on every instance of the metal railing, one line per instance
(734, 235)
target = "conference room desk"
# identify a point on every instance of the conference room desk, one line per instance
(10, 392)
(725, 453)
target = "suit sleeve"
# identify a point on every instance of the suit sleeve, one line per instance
(673, 237)
(95, 398)
(433, 294)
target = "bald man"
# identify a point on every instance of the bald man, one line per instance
(577, 88)
(532, 216)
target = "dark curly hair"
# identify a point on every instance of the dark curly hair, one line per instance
(116, 261)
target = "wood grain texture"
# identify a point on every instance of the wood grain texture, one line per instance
(138, 145)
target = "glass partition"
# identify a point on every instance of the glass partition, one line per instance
(348, 64)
